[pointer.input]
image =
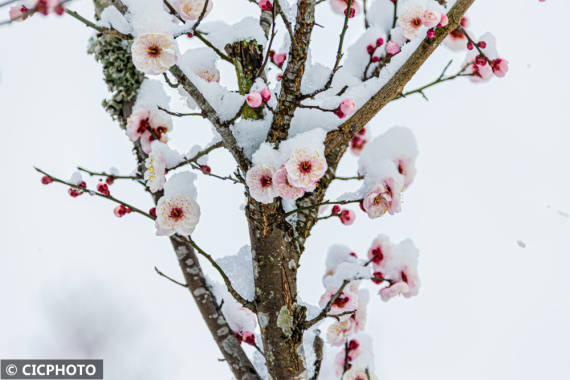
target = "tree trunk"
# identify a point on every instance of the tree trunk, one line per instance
(275, 262)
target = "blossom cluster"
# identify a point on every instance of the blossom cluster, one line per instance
(148, 125)
(393, 267)
(28, 8)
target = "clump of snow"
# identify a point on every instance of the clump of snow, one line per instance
(149, 16)
(112, 18)
(76, 178)
(181, 183)
(151, 95)
(220, 34)
(240, 271)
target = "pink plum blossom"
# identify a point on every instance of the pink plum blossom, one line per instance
(176, 213)
(347, 217)
(154, 53)
(381, 253)
(392, 47)
(138, 123)
(431, 18)
(407, 168)
(18, 13)
(254, 99)
(346, 301)
(340, 331)
(259, 180)
(394, 290)
(383, 198)
(192, 9)
(339, 6)
(479, 73)
(500, 67)
(283, 188)
(305, 167)
(411, 20)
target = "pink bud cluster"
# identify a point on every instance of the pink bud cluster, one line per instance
(256, 99)
(21, 12)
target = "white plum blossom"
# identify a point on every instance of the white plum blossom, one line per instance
(283, 188)
(177, 210)
(155, 169)
(192, 9)
(154, 53)
(410, 19)
(259, 180)
(305, 167)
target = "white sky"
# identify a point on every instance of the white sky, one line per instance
(492, 171)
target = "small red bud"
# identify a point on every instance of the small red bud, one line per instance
(103, 189)
(110, 180)
(190, 35)
(336, 210)
(205, 169)
(152, 212)
(470, 45)
(353, 344)
(377, 276)
(374, 59)
(379, 42)
(370, 49)
(47, 180)
(482, 44)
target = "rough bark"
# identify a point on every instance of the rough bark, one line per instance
(209, 309)
(290, 89)
(275, 262)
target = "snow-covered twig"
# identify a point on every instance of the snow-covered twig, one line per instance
(248, 304)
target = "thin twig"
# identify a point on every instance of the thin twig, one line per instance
(98, 28)
(180, 114)
(170, 278)
(93, 192)
(319, 205)
(194, 159)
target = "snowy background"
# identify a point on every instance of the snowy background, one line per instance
(77, 282)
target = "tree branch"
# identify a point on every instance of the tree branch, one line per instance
(344, 133)
(293, 74)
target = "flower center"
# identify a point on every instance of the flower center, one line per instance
(377, 255)
(417, 22)
(143, 126)
(341, 301)
(153, 51)
(404, 277)
(266, 181)
(176, 213)
(305, 167)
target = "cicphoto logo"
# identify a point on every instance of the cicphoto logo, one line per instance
(51, 369)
